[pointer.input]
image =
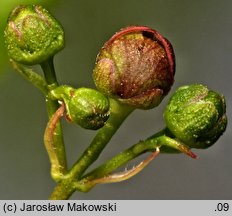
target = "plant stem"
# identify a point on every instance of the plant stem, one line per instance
(118, 114)
(56, 169)
(158, 140)
(122, 158)
(63, 190)
(33, 77)
(49, 72)
(52, 106)
(89, 180)
(127, 174)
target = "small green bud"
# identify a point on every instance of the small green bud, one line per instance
(32, 35)
(86, 107)
(136, 66)
(196, 116)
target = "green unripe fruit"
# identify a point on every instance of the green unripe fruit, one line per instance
(32, 35)
(196, 116)
(85, 107)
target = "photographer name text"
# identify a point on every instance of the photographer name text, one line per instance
(66, 207)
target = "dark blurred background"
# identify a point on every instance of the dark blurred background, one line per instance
(200, 32)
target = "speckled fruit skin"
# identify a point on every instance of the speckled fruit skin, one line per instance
(136, 66)
(86, 107)
(196, 115)
(33, 35)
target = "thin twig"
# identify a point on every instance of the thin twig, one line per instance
(49, 141)
(30, 75)
(122, 176)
